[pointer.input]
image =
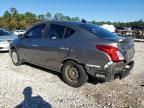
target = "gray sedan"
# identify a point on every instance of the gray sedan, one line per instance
(76, 49)
(5, 38)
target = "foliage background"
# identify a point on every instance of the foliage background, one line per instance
(12, 19)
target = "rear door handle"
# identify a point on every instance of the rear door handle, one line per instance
(62, 48)
(34, 45)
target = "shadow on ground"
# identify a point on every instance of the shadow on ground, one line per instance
(32, 101)
(46, 70)
(4, 51)
(94, 80)
(91, 79)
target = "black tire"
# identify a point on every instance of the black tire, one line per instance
(79, 76)
(15, 53)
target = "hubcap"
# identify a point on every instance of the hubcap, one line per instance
(14, 57)
(73, 73)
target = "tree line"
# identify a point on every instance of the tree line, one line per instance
(12, 19)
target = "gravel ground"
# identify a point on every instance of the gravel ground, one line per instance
(47, 86)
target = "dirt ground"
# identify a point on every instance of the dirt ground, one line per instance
(49, 91)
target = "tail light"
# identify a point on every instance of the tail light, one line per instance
(113, 52)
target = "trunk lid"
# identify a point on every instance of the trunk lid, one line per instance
(126, 46)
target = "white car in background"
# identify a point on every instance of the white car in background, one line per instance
(5, 39)
(19, 32)
(110, 28)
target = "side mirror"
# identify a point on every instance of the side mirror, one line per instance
(20, 36)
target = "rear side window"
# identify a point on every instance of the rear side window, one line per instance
(98, 31)
(37, 31)
(56, 31)
(59, 32)
(68, 32)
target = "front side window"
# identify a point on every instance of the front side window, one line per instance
(37, 31)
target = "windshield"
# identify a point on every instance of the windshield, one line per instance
(98, 31)
(4, 33)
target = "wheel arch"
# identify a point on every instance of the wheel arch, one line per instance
(76, 61)
(10, 49)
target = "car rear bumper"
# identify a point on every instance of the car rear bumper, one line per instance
(125, 71)
(112, 71)
(4, 46)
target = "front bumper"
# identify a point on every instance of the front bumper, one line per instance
(112, 71)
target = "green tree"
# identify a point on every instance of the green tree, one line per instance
(2, 23)
(13, 11)
(6, 19)
(49, 16)
(75, 19)
(6, 14)
(41, 17)
(59, 17)
(67, 18)
(30, 18)
(12, 19)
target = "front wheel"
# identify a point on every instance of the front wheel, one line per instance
(74, 74)
(15, 57)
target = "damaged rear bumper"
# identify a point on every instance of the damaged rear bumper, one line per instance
(111, 70)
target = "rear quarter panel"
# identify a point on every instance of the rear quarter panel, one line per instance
(84, 50)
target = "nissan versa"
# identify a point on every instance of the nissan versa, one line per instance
(76, 49)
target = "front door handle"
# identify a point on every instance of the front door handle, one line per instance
(62, 48)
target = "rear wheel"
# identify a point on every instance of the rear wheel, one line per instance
(15, 57)
(74, 74)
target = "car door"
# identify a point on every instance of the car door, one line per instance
(59, 40)
(30, 45)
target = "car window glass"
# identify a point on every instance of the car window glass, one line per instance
(56, 31)
(97, 31)
(4, 33)
(68, 32)
(37, 31)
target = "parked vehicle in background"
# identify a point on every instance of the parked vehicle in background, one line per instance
(5, 38)
(19, 32)
(76, 49)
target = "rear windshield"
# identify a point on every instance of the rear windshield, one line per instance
(98, 31)
(4, 33)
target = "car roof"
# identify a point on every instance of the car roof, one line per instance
(76, 23)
